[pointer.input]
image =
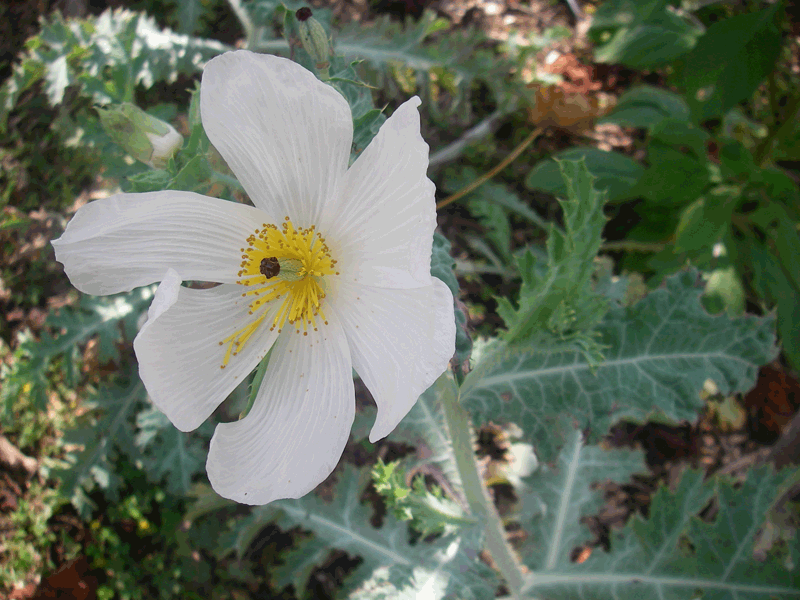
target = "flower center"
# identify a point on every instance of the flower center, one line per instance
(288, 265)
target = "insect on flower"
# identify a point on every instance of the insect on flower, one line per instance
(329, 270)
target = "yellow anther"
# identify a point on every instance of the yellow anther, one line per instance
(299, 283)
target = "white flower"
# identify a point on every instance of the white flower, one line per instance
(330, 270)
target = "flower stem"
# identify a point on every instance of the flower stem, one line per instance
(487, 176)
(480, 504)
(244, 19)
(231, 182)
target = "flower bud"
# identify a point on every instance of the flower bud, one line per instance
(144, 137)
(314, 39)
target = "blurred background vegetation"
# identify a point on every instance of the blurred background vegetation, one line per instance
(685, 112)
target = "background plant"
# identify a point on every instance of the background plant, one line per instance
(577, 346)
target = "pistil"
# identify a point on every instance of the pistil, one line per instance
(287, 265)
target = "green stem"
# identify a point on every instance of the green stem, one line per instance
(480, 504)
(244, 19)
(231, 182)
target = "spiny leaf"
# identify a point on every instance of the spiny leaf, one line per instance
(429, 512)
(106, 56)
(442, 268)
(424, 428)
(168, 452)
(111, 318)
(112, 430)
(414, 56)
(556, 497)
(674, 554)
(658, 354)
(391, 567)
(561, 305)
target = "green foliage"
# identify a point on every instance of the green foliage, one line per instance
(710, 193)
(423, 57)
(429, 511)
(560, 306)
(641, 34)
(674, 554)
(100, 434)
(498, 227)
(188, 14)
(413, 57)
(106, 57)
(575, 359)
(703, 222)
(555, 498)
(772, 279)
(30, 540)
(615, 174)
(658, 353)
(646, 106)
(120, 420)
(494, 205)
(112, 319)
(730, 61)
(170, 455)
(442, 268)
(392, 567)
(425, 428)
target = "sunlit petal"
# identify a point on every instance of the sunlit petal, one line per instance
(179, 351)
(298, 426)
(284, 134)
(400, 340)
(128, 240)
(385, 216)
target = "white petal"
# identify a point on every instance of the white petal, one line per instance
(283, 133)
(400, 340)
(128, 240)
(179, 349)
(297, 428)
(382, 227)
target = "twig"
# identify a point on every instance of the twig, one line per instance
(487, 176)
(13, 458)
(632, 246)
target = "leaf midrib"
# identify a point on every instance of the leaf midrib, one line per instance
(538, 580)
(510, 376)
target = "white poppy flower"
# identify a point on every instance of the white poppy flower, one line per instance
(330, 269)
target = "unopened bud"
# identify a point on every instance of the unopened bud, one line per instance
(314, 39)
(144, 137)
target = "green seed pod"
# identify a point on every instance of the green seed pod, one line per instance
(314, 39)
(144, 137)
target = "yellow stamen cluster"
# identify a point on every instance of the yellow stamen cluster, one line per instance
(287, 264)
